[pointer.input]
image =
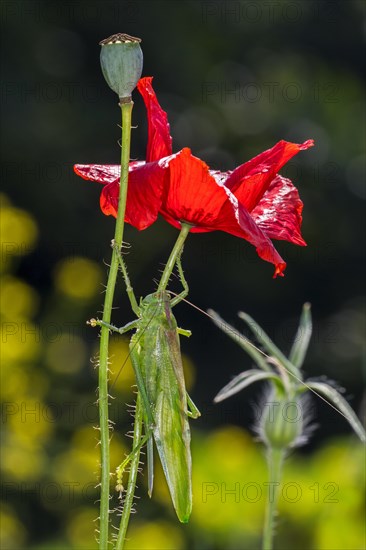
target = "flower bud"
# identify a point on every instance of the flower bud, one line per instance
(121, 61)
(281, 424)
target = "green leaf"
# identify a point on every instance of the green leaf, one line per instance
(240, 339)
(269, 346)
(243, 380)
(341, 405)
(302, 338)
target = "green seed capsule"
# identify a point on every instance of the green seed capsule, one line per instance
(121, 60)
(282, 422)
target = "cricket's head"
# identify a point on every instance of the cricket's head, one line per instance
(156, 300)
(156, 309)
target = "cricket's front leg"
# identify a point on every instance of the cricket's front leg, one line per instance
(113, 328)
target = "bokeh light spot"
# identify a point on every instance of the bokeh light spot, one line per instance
(13, 533)
(159, 535)
(80, 530)
(18, 300)
(78, 278)
(22, 461)
(18, 231)
(20, 341)
(67, 354)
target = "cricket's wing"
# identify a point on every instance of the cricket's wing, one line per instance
(171, 431)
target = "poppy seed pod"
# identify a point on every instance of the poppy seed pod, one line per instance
(121, 60)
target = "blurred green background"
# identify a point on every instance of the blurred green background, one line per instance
(235, 77)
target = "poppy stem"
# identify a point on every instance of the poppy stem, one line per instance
(130, 491)
(104, 336)
(275, 460)
(175, 253)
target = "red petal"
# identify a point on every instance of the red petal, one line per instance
(191, 194)
(109, 199)
(159, 143)
(278, 212)
(101, 173)
(198, 196)
(145, 186)
(235, 219)
(251, 180)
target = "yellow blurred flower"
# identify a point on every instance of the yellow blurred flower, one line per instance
(228, 486)
(79, 278)
(338, 531)
(20, 341)
(67, 354)
(18, 231)
(18, 300)
(159, 535)
(81, 528)
(13, 534)
(78, 466)
(19, 381)
(22, 461)
(30, 420)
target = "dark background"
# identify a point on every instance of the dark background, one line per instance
(234, 77)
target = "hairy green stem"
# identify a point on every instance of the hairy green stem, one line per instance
(175, 253)
(104, 336)
(275, 461)
(130, 492)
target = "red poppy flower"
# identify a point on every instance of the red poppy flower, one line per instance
(253, 201)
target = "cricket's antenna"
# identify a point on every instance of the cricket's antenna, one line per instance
(270, 359)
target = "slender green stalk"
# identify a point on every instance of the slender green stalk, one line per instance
(275, 461)
(104, 337)
(175, 253)
(130, 492)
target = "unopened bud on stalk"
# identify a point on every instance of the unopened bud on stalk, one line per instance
(121, 60)
(282, 422)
